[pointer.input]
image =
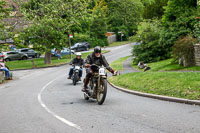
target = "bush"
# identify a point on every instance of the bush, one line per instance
(150, 49)
(80, 38)
(183, 50)
(98, 42)
(182, 26)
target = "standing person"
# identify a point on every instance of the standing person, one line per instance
(4, 68)
(95, 58)
(78, 61)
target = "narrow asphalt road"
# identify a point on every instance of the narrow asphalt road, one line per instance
(44, 101)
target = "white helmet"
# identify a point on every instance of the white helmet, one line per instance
(78, 54)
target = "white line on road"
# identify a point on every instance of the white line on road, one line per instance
(51, 112)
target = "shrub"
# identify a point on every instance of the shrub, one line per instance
(150, 49)
(182, 26)
(98, 42)
(80, 38)
(183, 50)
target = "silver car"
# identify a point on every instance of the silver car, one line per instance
(13, 55)
(29, 52)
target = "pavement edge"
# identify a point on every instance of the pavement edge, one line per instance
(160, 97)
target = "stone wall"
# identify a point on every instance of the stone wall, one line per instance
(197, 54)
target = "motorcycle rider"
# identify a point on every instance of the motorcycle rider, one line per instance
(95, 58)
(78, 61)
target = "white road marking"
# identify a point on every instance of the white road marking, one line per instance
(51, 112)
(26, 76)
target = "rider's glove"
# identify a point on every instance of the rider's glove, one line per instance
(87, 65)
(112, 71)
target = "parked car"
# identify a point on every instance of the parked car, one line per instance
(65, 51)
(81, 46)
(30, 52)
(13, 55)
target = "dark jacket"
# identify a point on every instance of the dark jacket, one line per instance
(100, 61)
(77, 62)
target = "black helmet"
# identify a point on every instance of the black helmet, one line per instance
(97, 49)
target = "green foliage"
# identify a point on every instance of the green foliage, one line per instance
(179, 19)
(176, 8)
(124, 13)
(174, 30)
(154, 9)
(52, 21)
(147, 2)
(45, 35)
(197, 30)
(98, 28)
(150, 50)
(4, 13)
(80, 38)
(184, 49)
(98, 42)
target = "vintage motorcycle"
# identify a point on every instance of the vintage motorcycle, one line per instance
(75, 75)
(97, 88)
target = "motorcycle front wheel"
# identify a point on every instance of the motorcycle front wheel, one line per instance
(75, 79)
(102, 91)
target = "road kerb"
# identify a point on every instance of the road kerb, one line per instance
(160, 97)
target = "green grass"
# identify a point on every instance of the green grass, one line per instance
(119, 43)
(175, 84)
(162, 79)
(167, 65)
(27, 64)
(118, 64)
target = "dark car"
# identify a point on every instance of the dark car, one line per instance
(30, 52)
(81, 46)
(13, 55)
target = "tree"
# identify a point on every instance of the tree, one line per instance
(178, 20)
(154, 9)
(176, 8)
(4, 12)
(52, 21)
(98, 27)
(124, 15)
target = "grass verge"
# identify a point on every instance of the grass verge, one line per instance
(119, 43)
(175, 84)
(167, 65)
(118, 64)
(162, 80)
(39, 63)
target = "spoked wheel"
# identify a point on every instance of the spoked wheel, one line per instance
(102, 91)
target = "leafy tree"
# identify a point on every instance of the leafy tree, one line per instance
(4, 12)
(150, 49)
(179, 19)
(52, 21)
(154, 9)
(98, 27)
(124, 15)
(176, 8)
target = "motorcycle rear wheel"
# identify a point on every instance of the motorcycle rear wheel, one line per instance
(102, 91)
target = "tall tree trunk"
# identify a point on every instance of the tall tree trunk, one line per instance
(47, 58)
